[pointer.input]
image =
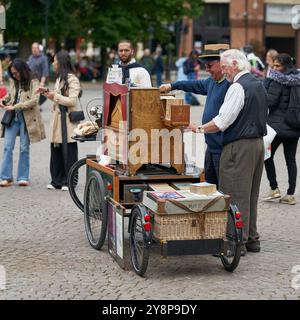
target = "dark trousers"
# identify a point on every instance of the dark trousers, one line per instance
(241, 167)
(211, 167)
(59, 174)
(289, 149)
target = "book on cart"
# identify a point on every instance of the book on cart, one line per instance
(203, 188)
(181, 185)
(160, 187)
(182, 202)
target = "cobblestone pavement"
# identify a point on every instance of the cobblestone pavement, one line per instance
(45, 253)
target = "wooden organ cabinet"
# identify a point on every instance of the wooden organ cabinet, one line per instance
(132, 118)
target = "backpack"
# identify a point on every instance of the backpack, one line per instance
(292, 116)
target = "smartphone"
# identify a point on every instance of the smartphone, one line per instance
(44, 90)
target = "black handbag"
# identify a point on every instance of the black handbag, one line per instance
(8, 118)
(76, 116)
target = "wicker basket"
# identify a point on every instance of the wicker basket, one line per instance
(190, 226)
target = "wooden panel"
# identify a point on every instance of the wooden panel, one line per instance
(95, 165)
(145, 109)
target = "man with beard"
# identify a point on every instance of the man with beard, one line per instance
(132, 71)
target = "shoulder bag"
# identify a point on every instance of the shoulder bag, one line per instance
(9, 115)
(74, 116)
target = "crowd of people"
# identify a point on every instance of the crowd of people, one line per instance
(243, 98)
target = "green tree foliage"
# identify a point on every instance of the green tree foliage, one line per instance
(104, 21)
(137, 20)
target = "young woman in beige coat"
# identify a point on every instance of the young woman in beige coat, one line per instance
(65, 93)
(23, 101)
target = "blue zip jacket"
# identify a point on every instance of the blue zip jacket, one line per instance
(215, 92)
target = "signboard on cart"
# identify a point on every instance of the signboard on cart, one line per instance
(116, 231)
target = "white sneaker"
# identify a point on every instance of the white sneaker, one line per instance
(50, 187)
(273, 194)
(64, 188)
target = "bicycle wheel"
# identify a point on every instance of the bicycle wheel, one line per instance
(231, 257)
(139, 247)
(76, 182)
(95, 210)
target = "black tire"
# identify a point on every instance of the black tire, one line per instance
(139, 248)
(76, 182)
(231, 258)
(95, 210)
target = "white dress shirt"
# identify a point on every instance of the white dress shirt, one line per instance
(139, 77)
(233, 104)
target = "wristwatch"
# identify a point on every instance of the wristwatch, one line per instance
(200, 129)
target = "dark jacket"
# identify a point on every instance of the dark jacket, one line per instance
(278, 87)
(251, 121)
(215, 92)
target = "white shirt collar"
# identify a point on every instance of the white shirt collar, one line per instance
(241, 73)
(130, 62)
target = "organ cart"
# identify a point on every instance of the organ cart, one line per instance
(135, 121)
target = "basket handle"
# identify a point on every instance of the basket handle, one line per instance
(208, 205)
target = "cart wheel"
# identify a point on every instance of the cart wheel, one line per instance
(76, 182)
(231, 258)
(95, 210)
(139, 247)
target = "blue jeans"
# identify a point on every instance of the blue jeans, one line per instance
(18, 126)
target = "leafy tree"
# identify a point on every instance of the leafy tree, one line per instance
(102, 21)
(32, 20)
(111, 20)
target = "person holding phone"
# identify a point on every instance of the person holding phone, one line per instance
(22, 99)
(64, 150)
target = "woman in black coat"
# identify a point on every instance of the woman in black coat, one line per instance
(281, 80)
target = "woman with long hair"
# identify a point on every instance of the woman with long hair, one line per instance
(22, 103)
(64, 150)
(283, 78)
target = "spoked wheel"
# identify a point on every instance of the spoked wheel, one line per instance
(76, 182)
(139, 246)
(95, 210)
(231, 257)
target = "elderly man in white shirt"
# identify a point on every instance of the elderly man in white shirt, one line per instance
(242, 119)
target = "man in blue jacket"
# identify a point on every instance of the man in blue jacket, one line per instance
(215, 88)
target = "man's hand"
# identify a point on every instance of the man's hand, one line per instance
(165, 87)
(193, 127)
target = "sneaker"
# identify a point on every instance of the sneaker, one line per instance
(288, 199)
(50, 187)
(64, 188)
(273, 194)
(253, 246)
(6, 183)
(23, 183)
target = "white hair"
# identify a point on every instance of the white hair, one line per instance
(231, 55)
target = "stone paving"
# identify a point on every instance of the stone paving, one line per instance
(46, 255)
